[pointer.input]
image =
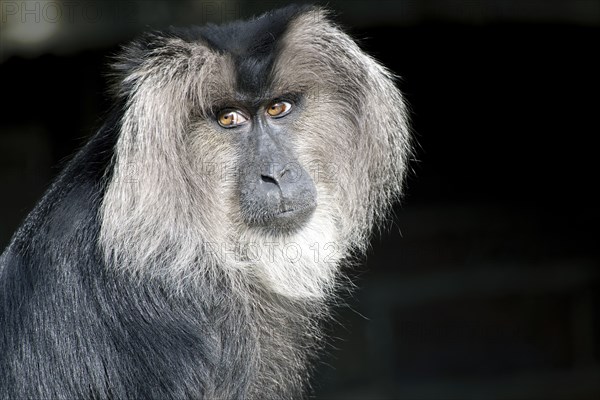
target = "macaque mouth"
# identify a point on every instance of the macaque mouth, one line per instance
(288, 218)
(297, 210)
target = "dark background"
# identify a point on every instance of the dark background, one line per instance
(486, 284)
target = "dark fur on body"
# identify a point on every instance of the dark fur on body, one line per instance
(91, 309)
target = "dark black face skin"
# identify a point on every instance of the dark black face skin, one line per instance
(275, 190)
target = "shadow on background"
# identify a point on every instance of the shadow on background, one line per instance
(486, 284)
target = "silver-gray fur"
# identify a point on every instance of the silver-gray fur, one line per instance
(353, 132)
(171, 224)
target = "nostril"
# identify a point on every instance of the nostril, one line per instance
(268, 179)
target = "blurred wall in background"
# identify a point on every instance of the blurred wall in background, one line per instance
(485, 286)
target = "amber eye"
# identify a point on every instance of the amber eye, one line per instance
(279, 109)
(231, 118)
